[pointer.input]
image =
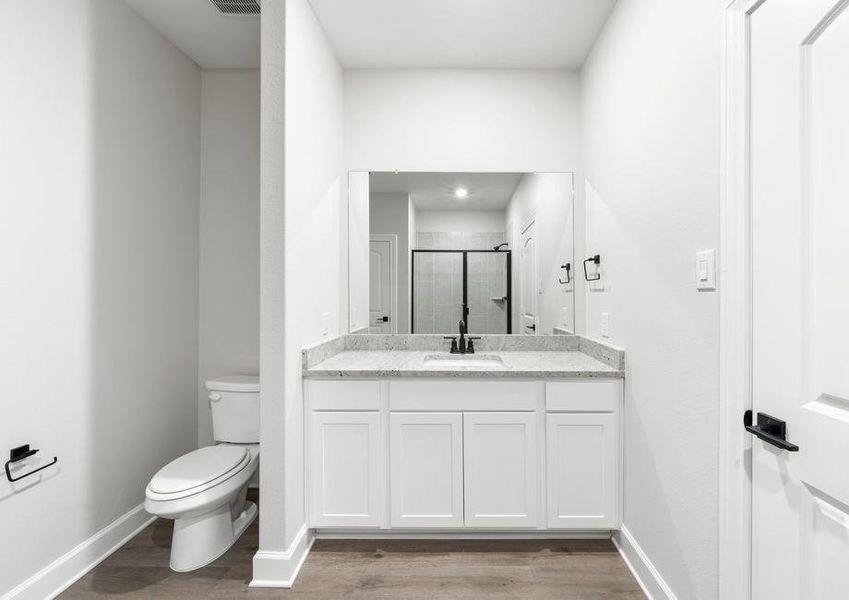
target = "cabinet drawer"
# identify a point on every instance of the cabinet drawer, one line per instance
(348, 394)
(465, 395)
(583, 396)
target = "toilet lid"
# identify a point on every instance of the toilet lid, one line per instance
(198, 468)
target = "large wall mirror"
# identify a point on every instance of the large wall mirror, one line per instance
(428, 250)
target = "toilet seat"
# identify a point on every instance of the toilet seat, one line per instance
(197, 471)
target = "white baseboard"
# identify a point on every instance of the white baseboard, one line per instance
(280, 569)
(641, 567)
(56, 577)
(418, 534)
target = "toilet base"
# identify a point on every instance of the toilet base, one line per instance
(197, 541)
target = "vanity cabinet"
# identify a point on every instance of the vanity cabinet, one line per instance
(426, 469)
(582, 454)
(441, 454)
(346, 469)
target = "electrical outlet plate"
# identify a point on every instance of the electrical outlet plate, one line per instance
(605, 325)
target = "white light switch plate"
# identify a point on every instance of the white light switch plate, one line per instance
(706, 270)
(325, 324)
(605, 325)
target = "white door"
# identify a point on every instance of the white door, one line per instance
(528, 281)
(382, 286)
(583, 470)
(500, 456)
(426, 469)
(800, 196)
(346, 468)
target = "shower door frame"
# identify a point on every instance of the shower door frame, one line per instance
(465, 310)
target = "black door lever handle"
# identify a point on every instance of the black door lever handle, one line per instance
(769, 429)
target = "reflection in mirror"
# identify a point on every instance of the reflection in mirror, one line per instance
(427, 250)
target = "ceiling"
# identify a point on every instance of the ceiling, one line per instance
(199, 30)
(399, 33)
(435, 191)
(462, 33)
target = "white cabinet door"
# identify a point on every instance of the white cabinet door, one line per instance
(583, 470)
(346, 469)
(426, 469)
(500, 464)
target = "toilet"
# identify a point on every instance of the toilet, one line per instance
(204, 491)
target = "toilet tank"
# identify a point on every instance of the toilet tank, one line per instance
(234, 401)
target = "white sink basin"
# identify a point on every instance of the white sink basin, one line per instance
(463, 361)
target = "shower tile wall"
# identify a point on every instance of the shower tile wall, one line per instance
(458, 240)
(438, 294)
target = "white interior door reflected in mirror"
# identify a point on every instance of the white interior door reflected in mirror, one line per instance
(529, 279)
(383, 273)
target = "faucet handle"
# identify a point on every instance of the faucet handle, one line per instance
(453, 339)
(470, 347)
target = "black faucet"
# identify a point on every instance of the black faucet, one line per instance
(462, 347)
(463, 331)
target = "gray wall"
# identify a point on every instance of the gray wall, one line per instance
(229, 232)
(99, 255)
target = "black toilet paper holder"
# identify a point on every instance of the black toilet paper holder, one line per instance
(20, 453)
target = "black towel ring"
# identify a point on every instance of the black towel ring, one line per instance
(568, 267)
(597, 261)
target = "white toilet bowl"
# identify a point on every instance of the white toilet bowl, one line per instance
(204, 492)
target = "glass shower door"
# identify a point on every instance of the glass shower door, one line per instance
(454, 285)
(437, 303)
(488, 295)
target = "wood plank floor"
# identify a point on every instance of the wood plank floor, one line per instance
(379, 569)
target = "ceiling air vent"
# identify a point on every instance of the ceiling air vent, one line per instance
(239, 8)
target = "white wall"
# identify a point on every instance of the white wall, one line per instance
(461, 120)
(356, 258)
(469, 221)
(99, 263)
(412, 228)
(300, 252)
(651, 143)
(547, 198)
(229, 232)
(390, 213)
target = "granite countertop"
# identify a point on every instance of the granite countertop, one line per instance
(515, 364)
